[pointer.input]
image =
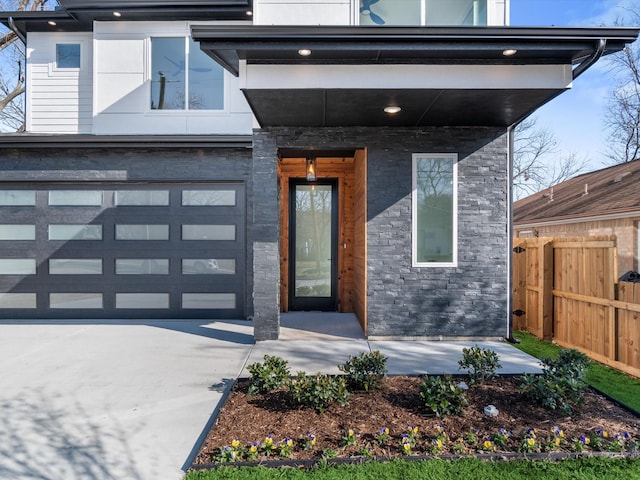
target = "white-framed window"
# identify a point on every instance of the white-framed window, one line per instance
(434, 210)
(423, 12)
(183, 77)
(68, 56)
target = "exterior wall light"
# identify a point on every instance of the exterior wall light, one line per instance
(249, 13)
(117, 14)
(304, 52)
(311, 170)
(52, 23)
(509, 52)
(392, 109)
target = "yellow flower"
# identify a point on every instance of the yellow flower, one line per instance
(289, 442)
(439, 443)
(487, 444)
(268, 441)
(386, 431)
(235, 443)
(253, 449)
(351, 433)
(531, 442)
(407, 447)
(415, 429)
(605, 434)
(557, 441)
(561, 434)
(313, 441)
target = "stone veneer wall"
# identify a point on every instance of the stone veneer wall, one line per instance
(467, 301)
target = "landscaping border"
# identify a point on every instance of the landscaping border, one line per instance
(489, 457)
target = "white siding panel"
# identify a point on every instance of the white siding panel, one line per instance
(120, 93)
(120, 55)
(301, 12)
(58, 101)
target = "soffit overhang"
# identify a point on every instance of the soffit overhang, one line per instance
(79, 15)
(245, 50)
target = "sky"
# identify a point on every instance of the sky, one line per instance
(576, 116)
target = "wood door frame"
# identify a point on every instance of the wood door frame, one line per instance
(351, 173)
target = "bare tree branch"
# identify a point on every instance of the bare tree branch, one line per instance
(622, 116)
(12, 79)
(536, 164)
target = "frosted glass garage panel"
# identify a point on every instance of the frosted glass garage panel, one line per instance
(17, 232)
(75, 300)
(142, 266)
(17, 266)
(17, 198)
(73, 266)
(208, 266)
(208, 232)
(142, 300)
(141, 198)
(142, 232)
(17, 300)
(75, 198)
(208, 301)
(209, 198)
(75, 232)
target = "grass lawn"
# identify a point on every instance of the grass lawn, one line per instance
(623, 388)
(468, 468)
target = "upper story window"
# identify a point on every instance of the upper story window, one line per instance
(434, 210)
(67, 55)
(423, 12)
(183, 77)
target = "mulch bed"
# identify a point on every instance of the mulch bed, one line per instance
(397, 406)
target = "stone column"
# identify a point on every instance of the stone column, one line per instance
(263, 230)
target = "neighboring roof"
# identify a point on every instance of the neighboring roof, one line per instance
(610, 191)
(78, 15)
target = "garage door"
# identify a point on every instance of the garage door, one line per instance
(122, 251)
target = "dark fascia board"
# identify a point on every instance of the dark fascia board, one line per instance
(97, 4)
(79, 15)
(124, 141)
(339, 44)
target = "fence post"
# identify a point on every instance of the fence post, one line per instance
(546, 289)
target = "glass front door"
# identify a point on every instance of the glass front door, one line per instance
(313, 252)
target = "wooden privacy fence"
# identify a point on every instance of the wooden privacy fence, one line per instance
(566, 289)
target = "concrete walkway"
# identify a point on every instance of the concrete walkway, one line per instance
(131, 400)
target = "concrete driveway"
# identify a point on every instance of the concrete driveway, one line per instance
(111, 400)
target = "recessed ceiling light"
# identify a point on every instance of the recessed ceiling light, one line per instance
(52, 23)
(392, 109)
(117, 14)
(509, 52)
(304, 52)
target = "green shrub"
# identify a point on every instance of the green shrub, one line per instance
(562, 383)
(319, 390)
(442, 395)
(269, 375)
(482, 364)
(365, 371)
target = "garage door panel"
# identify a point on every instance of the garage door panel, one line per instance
(99, 251)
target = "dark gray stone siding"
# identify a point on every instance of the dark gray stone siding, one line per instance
(468, 300)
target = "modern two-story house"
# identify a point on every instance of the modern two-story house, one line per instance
(237, 159)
